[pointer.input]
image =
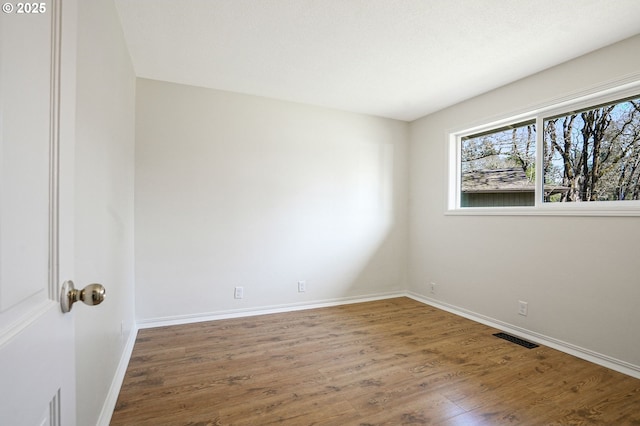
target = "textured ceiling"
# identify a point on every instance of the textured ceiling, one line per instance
(400, 59)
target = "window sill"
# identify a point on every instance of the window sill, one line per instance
(631, 211)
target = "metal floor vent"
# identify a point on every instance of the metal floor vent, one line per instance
(516, 340)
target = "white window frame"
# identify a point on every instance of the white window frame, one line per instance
(564, 106)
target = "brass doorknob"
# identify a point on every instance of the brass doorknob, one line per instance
(93, 294)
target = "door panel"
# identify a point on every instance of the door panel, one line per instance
(25, 65)
(37, 371)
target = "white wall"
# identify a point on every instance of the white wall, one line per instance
(104, 154)
(579, 274)
(235, 190)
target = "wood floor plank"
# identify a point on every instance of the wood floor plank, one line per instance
(388, 362)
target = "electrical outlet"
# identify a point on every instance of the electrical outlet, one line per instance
(302, 286)
(523, 308)
(433, 287)
(238, 293)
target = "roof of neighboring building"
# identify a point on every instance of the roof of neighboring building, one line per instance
(502, 180)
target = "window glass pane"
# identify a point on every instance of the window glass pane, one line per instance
(593, 155)
(498, 167)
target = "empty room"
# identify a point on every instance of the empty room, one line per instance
(327, 212)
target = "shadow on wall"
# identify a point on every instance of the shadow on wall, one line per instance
(364, 251)
(340, 234)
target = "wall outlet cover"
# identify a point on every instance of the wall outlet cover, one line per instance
(523, 308)
(238, 292)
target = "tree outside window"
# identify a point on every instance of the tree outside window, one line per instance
(594, 153)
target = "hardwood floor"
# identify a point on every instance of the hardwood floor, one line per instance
(389, 362)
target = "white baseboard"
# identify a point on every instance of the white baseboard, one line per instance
(577, 351)
(263, 310)
(118, 378)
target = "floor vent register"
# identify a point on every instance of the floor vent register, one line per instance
(516, 340)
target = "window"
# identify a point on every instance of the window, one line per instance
(581, 156)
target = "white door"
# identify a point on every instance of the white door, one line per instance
(37, 97)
